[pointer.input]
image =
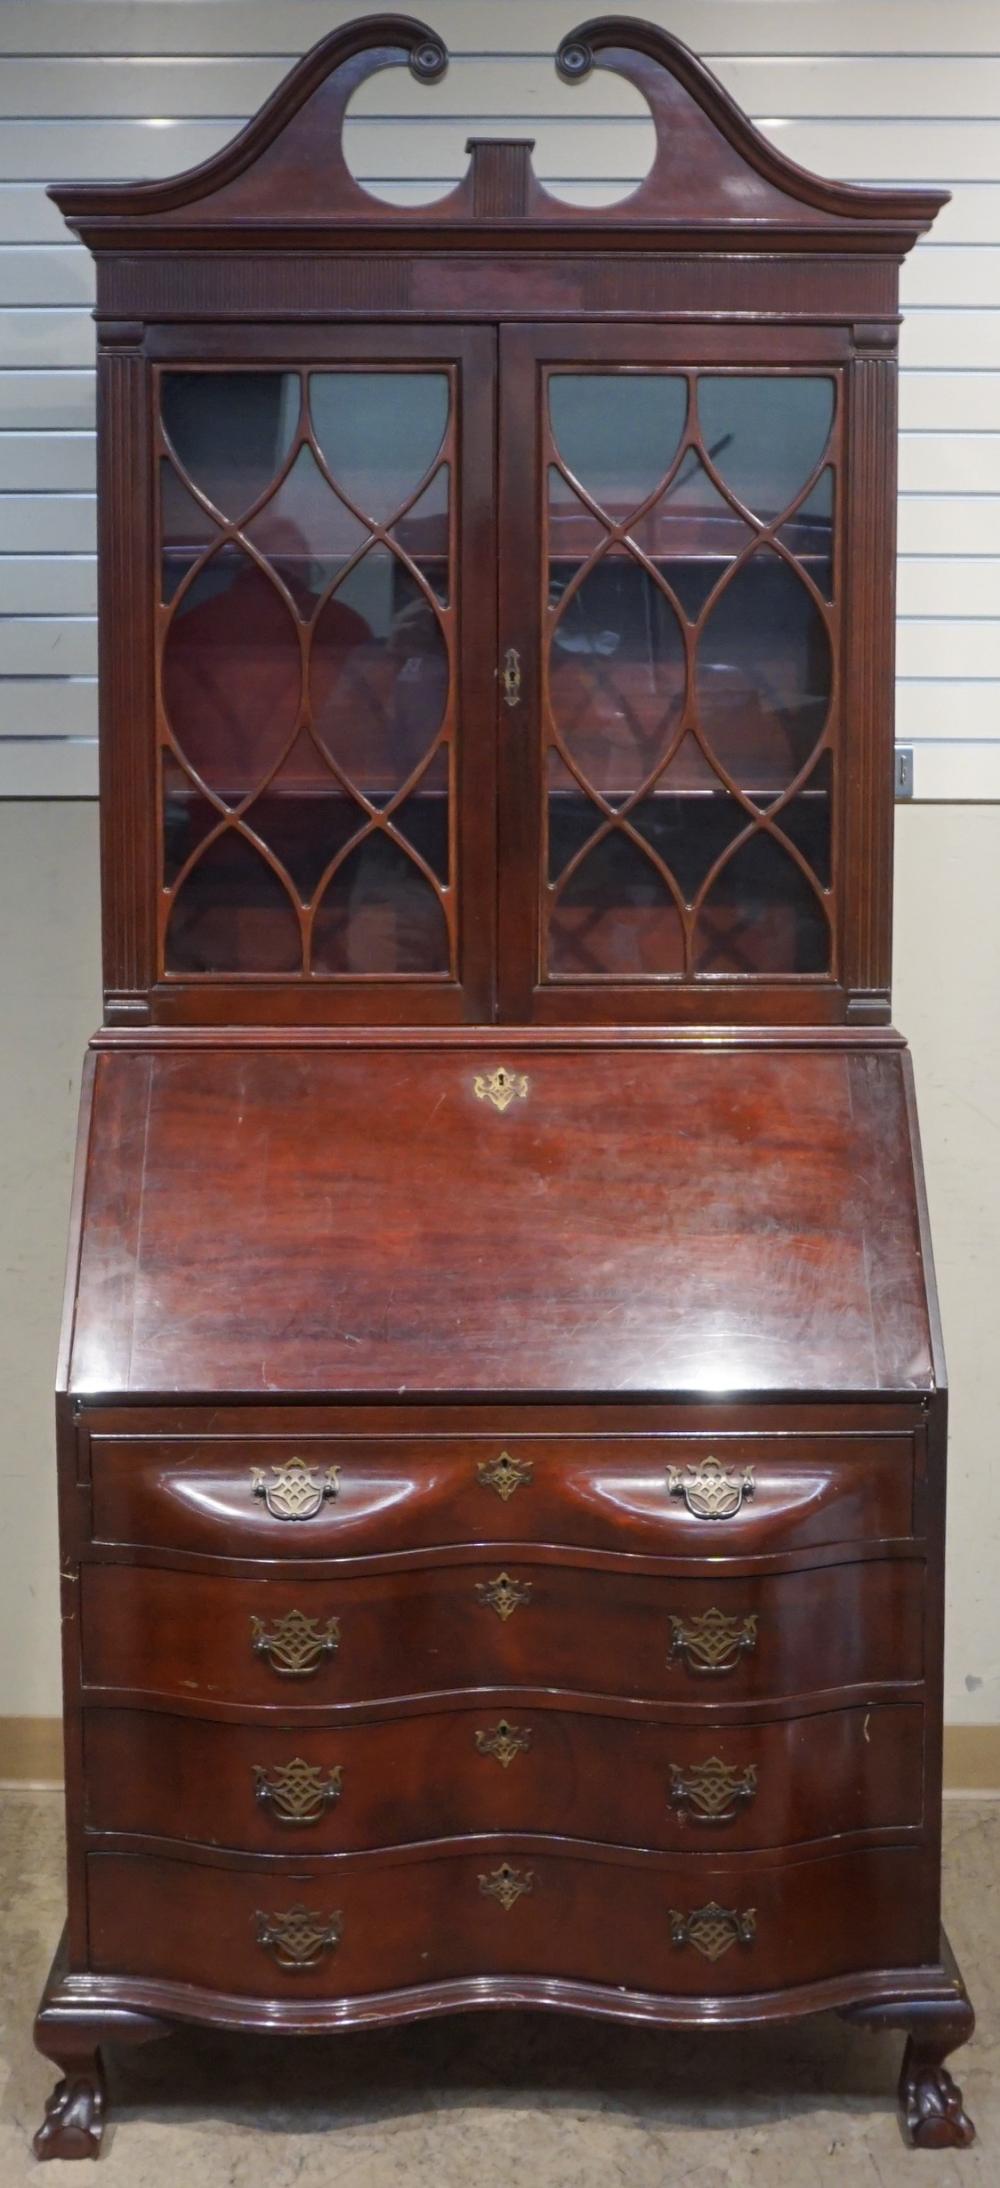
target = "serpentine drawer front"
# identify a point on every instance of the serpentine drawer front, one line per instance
(314, 1496)
(369, 1924)
(440, 1628)
(631, 1781)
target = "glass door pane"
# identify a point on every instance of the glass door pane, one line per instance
(309, 672)
(686, 674)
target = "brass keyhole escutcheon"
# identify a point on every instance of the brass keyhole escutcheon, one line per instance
(512, 677)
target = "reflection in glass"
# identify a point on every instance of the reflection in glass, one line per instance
(186, 529)
(231, 674)
(379, 675)
(765, 433)
(306, 532)
(379, 432)
(380, 915)
(423, 533)
(617, 674)
(761, 915)
(231, 912)
(617, 432)
(763, 674)
(615, 916)
(809, 533)
(231, 430)
(806, 819)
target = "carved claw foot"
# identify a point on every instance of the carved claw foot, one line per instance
(74, 2115)
(930, 2103)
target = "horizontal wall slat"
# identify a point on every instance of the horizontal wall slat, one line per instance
(819, 87)
(714, 27)
(951, 339)
(965, 274)
(48, 524)
(951, 585)
(47, 338)
(48, 584)
(62, 401)
(950, 463)
(48, 707)
(28, 216)
(40, 462)
(931, 401)
(962, 774)
(941, 524)
(64, 768)
(44, 645)
(949, 648)
(947, 710)
(46, 273)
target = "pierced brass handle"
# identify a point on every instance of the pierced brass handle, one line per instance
(709, 1490)
(713, 1642)
(503, 1595)
(714, 1791)
(297, 1792)
(713, 1929)
(299, 1939)
(512, 677)
(295, 1645)
(294, 1492)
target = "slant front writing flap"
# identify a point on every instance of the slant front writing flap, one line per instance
(469, 1219)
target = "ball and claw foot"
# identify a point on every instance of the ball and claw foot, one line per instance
(930, 2104)
(74, 2117)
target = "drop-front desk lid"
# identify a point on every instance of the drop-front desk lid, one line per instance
(372, 1218)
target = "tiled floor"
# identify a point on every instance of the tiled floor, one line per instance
(496, 2101)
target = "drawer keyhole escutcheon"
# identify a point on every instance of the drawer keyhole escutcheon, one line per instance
(507, 1885)
(295, 1645)
(501, 1087)
(297, 1792)
(504, 1474)
(709, 1490)
(713, 1791)
(713, 1642)
(503, 1595)
(713, 1929)
(293, 1492)
(504, 1742)
(299, 1939)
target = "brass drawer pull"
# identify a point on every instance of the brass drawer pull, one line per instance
(299, 1939)
(507, 1885)
(297, 1792)
(713, 1929)
(294, 1492)
(501, 1087)
(709, 1490)
(295, 1645)
(504, 1742)
(504, 1474)
(713, 1642)
(713, 1791)
(503, 1595)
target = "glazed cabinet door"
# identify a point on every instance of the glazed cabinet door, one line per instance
(670, 759)
(325, 691)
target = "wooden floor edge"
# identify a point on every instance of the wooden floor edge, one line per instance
(31, 1753)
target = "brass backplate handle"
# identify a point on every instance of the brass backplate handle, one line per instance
(512, 677)
(297, 1793)
(712, 1930)
(713, 1642)
(503, 1595)
(503, 1475)
(300, 1938)
(293, 1491)
(295, 1645)
(713, 1791)
(710, 1490)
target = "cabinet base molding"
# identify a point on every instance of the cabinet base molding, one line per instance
(81, 2013)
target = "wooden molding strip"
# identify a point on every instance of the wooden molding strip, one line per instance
(31, 1752)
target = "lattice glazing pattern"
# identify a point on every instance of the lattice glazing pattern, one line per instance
(690, 688)
(306, 680)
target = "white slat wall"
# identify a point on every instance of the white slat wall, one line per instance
(871, 90)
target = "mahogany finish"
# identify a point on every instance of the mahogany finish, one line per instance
(501, 1405)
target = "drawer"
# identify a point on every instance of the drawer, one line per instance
(338, 1497)
(361, 1924)
(465, 1625)
(444, 1774)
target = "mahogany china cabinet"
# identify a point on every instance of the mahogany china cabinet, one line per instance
(501, 1411)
